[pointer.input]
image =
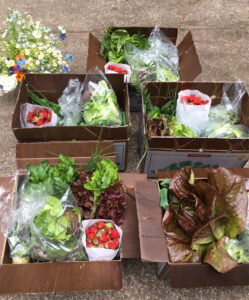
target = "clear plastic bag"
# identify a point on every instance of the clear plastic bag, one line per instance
(55, 230)
(158, 63)
(109, 69)
(28, 108)
(229, 108)
(100, 106)
(70, 103)
(192, 116)
(220, 129)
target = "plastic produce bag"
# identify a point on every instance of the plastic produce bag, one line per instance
(226, 130)
(36, 116)
(229, 108)
(70, 103)
(95, 254)
(160, 62)
(55, 230)
(190, 114)
(100, 106)
(120, 69)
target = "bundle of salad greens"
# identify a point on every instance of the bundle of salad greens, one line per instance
(112, 44)
(202, 215)
(102, 108)
(100, 193)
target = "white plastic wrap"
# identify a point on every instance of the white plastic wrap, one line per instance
(127, 77)
(28, 107)
(97, 254)
(70, 103)
(192, 116)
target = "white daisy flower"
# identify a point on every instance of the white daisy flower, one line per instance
(10, 63)
(41, 56)
(27, 51)
(36, 34)
(37, 62)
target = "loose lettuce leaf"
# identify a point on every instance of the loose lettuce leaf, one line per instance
(182, 182)
(179, 252)
(231, 199)
(218, 257)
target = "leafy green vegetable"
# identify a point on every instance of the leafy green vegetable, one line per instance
(228, 130)
(163, 187)
(104, 176)
(112, 44)
(103, 109)
(238, 248)
(202, 214)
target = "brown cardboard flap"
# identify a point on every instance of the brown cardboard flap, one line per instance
(94, 58)
(189, 62)
(60, 277)
(7, 188)
(152, 238)
(130, 239)
(202, 173)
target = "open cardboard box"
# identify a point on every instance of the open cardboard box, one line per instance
(153, 242)
(52, 86)
(189, 62)
(68, 276)
(170, 153)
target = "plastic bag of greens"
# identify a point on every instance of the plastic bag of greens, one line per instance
(228, 111)
(36, 116)
(70, 103)
(55, 230)
(159, 62)
(225, 130)
(28, 201)
(100, 106)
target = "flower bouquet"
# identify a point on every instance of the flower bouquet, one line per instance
(27, 46)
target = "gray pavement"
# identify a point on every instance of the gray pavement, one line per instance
(221, 33)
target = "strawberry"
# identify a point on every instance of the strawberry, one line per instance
(44, 114)
(115, 69)
(93, 229)
(116, 242)
(87, 231)
(185, 98)
(114, 234)
(191, 98)
(40, 122)
(111, 67)
(197, 100)
(119, 70)
(206, 102)
(103, 237)
(88, 244)
(101, 225)
(91, 236)
(111, 245)
(125, 72)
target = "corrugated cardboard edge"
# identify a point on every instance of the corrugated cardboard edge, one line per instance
(151, 235)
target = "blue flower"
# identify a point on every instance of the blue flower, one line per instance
(64, 69)
(1, 86)
(8, 58)
(18, 68)
(21, 61)
(62, 36)
(69, 57)
(11, 70)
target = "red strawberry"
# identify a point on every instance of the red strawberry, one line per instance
(125, 72)
(116, 242)
(101, 225)
(206, 102)
(185, 98)
(191, 98)
(114, 234)
(87, 231)
(111, 245)
(88, 243)
(93, 229)
(40, 122)
(91, 236)
(115, 69)
(111, 67)
(102, 245)
(103, 237)
(44, 114)
(119, 70)
(197, 100)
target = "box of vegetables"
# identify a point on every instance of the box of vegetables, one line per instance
(196, 222)
(144, 54)
(196, 124)
(81, 107)
(68, 225)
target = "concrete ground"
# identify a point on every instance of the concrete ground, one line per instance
(221, 33)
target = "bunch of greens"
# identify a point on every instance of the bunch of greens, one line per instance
(55, 231)
(103, 108)
(202, 214)
(112, 44)
(238, 248)
(227, 130)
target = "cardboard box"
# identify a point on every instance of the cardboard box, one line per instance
(168, 152)
(189, 62)
(81, 151)
(153, 242)
(52, 86)
(49, 277)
